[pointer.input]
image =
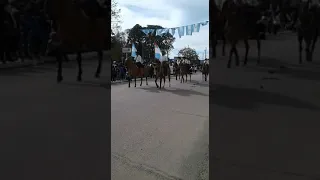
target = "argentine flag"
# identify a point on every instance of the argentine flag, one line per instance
(157, 51)
(133, 51)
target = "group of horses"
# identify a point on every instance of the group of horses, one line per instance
(161, 70)
(236, 21)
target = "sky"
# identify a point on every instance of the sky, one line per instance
(170, 14)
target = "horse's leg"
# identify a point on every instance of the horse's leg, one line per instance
(141, 78)
(314, 41)
(147, 80)
(300, 39)
(246, 44)
(135, 81)
(59, 61)
(100, 57)
(214, 45)
(223, 45)
(259, 49)
(308, 51)
(155, 80)
(169, 78)
(230, 55)
(164, 80)
(79, 60)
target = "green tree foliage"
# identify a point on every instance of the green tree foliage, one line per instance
(115, 17)
(189, 53)
(145, 43)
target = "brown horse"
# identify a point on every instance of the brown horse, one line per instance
(184, 71)
(205, 71)
(217, 28)
(176, 70)
(307, 29)
(134, 72)
(77, 32)
(162, 70)
(241, 25)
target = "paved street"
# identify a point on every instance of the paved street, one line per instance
(160, 134)
(51, 131)
(266, 118)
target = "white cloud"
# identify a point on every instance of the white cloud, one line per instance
(169, 14)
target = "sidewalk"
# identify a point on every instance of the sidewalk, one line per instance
(45, 60)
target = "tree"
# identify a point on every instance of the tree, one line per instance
(145, 43)
(189, 54)
(115, 17)
(118, 42)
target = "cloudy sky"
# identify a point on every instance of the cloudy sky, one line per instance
(169, 14)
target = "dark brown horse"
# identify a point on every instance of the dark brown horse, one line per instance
(184, 71)
(77, 32)
(241, 25)
(205, 71)
(176, 70)
(308, 28)
(217, 28)
(134, 71)
(162, 70)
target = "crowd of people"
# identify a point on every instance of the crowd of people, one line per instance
(25, 30)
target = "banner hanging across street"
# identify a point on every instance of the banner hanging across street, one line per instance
(182, 30)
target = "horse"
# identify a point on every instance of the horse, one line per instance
(134, 71)
(77, 32)
(184, 71)
(205, 71)
(217, 28)
(10, 35)
(176, 70)
(162, 70)
(241, 25)
(307, 29)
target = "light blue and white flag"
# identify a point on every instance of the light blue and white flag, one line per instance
(165, 31)
(173, 31)
(145, 31)
(159, 32)
(133, 51)
(196, 27)
(189, 30)
(181, 31)
(157, 52)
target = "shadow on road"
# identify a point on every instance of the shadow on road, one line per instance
(89, 84)
(249, 99)
(201, 84)
(176, 91)
(306, 71)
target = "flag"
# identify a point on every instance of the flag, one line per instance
(181, 31)
(157, 51)
(173, 31)
(189, 30)
(196, 27)
(133, 51)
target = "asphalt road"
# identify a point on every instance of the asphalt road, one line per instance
(266, 118)
(51, 131)
(59, 131)
(160, 134)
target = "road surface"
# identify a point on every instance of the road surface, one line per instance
(51, 131)
(160, 134)
(266, 118)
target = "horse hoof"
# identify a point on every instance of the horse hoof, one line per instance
(59, 79)
(229, 66)
(97, 75)
(79, 78)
